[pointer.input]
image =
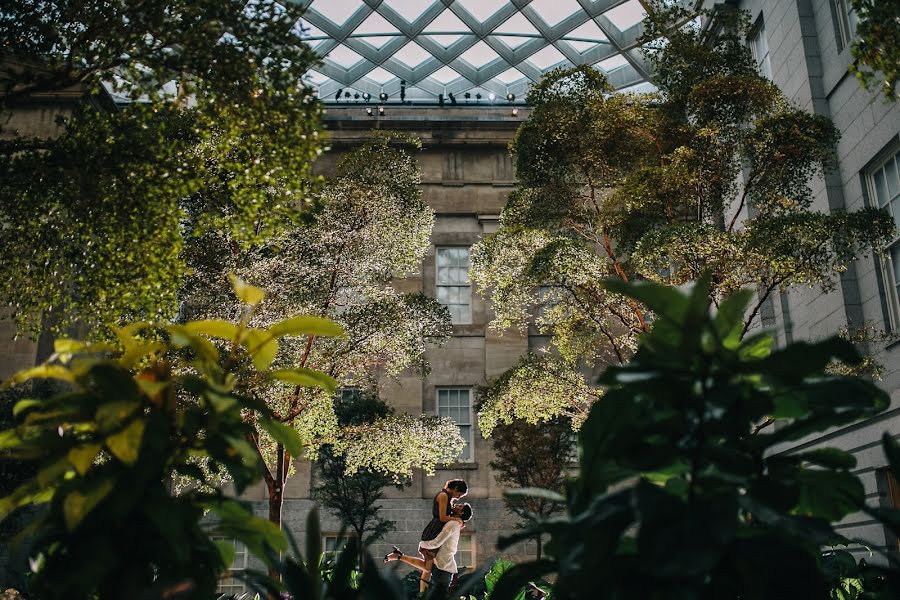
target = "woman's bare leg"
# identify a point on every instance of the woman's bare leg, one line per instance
(412, 561)
(426, 574)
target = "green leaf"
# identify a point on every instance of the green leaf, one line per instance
(226, 551)
(217, 328)
(181, 337)
(306, 378)
(831, 458)
(305, 325)
(246, 293)
(830, 495)
(23, 405)
(112, 414)
(83, 457)
(262, 348)
(77, 505)
(285, 435)
(126, 444)
(42, 372)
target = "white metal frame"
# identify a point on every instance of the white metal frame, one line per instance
(471, 425)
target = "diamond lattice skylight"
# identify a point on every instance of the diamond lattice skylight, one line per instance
(486, 47)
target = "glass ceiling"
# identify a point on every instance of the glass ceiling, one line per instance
(487, 48)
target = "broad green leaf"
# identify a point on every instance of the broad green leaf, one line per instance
(305, 325)
(152, 388)
(285, 435)
(77, 505)
(41, 372)
(23, 405)
(111, 414)
(245, 292)
(203, 347)
(831, 458)
(830, 495)
(262, 348)
(136, 351)
(226, 551)
(9, 438)
(126, 444)
(216, 328)
(83, 457)
(306, 378)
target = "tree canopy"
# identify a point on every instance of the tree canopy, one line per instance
(214, 129)
(710, 174)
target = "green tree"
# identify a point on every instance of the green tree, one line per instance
(354, 499)
(710, 174)
(214, 130)
(679, 494)
(133, 415)
(530, 456)
(876, 47)
(372, 228)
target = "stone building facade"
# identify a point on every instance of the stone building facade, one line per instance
(467, 174)
(803, 46)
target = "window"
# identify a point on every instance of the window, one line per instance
(845, 21)
(453, 288)
(759, 45)
(332, 544)
(229, 584)
(347, 394)
(456, 403)
(465, 552)
(884, 190)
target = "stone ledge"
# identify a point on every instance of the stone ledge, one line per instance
(458, 466)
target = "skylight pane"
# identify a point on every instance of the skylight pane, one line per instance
(611, 63)
(481, 9)
(344, 56)
(513, 41)
(412, 55)
(381, 76)
(378, 41)
(588, 31)
(445, 75)
(555, 11)
(316, 78)
(546, 58)
(517, 23)
(447, 22)
(510, 76)
(375, 23)
(479, 55)
(336, 11)
(626, 15)
(445, 40)
(408, 9)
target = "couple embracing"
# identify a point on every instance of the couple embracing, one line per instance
(440, 539)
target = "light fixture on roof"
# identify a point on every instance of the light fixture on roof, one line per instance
(380, 111)
(452, 98)
(383, 96)
(515, 112)
(478, 97)
(510, 97)
(402, 91)
(366, 96)
(492, 96)
(441, 100)
(338, 95)
(369, 110)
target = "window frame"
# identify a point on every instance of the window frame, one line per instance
(469, 536)
(891, 293)
(470, 442)
(227, 579)
(845, 22)
(467, 285)
(757, 33)
(346, 536)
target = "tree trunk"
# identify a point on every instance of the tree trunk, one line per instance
(275, 487)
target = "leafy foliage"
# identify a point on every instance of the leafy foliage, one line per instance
(533, 456)
(132, 416)
(354, 498)
(341, 263)
(679, 494)
(216, 131)
(876, 47)
(709, 175)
